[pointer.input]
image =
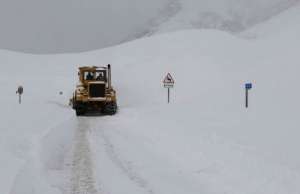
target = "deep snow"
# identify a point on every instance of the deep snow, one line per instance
(205, 141)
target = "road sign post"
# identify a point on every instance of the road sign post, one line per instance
(168, 83)
(20, 92)
(246, 98)
(168, 95)
(248, 86)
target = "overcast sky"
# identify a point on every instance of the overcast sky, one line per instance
(71, 25)
(55, 26)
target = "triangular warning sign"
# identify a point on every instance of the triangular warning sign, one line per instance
(169, 79)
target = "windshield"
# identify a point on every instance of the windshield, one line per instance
(89, 75)
(99, 75)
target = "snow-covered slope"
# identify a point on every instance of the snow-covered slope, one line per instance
(227, 15)
(275, 27)
(205, 141)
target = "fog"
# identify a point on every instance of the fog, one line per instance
(47, 26)
(57, 26)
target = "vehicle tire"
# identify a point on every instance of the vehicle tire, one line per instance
(110, 108)
(79, 112)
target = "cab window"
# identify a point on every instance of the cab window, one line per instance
(88, 75)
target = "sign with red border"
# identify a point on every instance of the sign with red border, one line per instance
(169, 81)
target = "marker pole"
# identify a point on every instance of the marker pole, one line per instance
(168, 95)
(247, 98)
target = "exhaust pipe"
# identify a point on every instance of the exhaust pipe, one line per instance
(109, 76)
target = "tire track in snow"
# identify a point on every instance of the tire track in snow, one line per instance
(82, 178)
(125, 167)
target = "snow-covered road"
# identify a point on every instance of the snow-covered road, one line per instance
(82, 170)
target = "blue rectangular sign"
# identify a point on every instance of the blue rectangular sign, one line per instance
(248, 86)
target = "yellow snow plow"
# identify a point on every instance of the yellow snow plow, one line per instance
(94, 93)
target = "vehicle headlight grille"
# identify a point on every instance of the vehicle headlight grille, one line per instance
(97, 90)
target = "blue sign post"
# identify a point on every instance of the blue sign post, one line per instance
(248, 86)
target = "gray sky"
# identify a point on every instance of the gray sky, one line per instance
(44, 26)
(56, 26)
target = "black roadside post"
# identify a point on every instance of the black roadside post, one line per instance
(20, 92)
(168, 95)
(247, 98)
(248, 86)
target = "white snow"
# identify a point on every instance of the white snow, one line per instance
(227, 15)
(205, 141)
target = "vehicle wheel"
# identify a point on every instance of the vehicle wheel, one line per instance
(79, 112)
(110, 108)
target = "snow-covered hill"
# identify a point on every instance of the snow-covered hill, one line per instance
(227, 15)
(59, 26)
(205, 141)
